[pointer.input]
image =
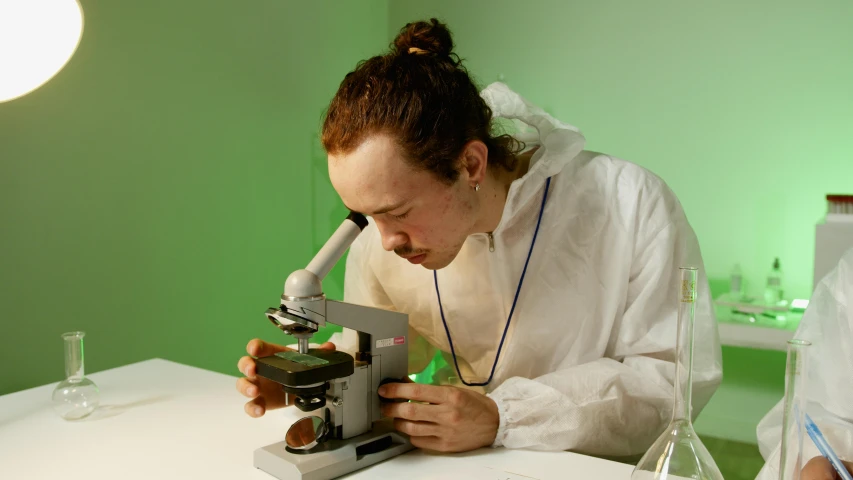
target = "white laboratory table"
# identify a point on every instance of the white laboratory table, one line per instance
(751, 336)
(164, 420)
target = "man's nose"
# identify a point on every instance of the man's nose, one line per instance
(391, 238)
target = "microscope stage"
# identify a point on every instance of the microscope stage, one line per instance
(294, 369)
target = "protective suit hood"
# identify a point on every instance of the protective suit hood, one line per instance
(561, 143)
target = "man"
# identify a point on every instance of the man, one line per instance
(548, 273)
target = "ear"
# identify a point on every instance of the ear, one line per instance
(475, 161)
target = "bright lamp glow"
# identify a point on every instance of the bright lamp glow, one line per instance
(37, 38)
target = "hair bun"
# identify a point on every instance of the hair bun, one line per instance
(427, 37)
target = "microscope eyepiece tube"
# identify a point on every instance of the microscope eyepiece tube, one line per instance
(337, 244)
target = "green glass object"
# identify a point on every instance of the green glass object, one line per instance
(307, 360)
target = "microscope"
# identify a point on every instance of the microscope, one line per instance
(346, 432)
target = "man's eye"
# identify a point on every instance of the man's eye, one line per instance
(401, 217)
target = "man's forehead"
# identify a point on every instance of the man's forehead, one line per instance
(366, 180)
(374, 178)
(375, 160)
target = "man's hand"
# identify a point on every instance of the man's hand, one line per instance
(453, 420)
(819, 468)
(265, 394)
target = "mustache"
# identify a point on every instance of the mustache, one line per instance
(407, 251)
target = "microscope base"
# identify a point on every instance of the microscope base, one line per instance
(333, 458)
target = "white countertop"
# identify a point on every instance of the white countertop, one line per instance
(754, 336)
(164, 420)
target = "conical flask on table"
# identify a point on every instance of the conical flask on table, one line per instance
(678, 453)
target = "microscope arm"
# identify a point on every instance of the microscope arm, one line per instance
(303, 305)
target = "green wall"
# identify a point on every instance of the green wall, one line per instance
(742, 107)
(159, 189)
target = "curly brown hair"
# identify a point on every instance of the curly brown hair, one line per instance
(422, 97)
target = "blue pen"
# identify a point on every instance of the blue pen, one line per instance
(825, 450)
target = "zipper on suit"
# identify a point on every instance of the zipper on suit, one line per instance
(491, 242)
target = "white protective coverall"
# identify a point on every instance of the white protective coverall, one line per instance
(587, 364)
(828, 325)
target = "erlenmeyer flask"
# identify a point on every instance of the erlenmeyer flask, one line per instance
(678, 453)
(76, 396)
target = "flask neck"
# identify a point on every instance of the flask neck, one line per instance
(682, 407)
(74, 369)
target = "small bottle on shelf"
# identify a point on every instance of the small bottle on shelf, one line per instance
(736, 283)
(773, 294)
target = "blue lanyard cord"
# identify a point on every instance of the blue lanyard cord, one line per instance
(517, 291)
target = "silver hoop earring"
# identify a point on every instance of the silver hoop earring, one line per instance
(477, 187)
